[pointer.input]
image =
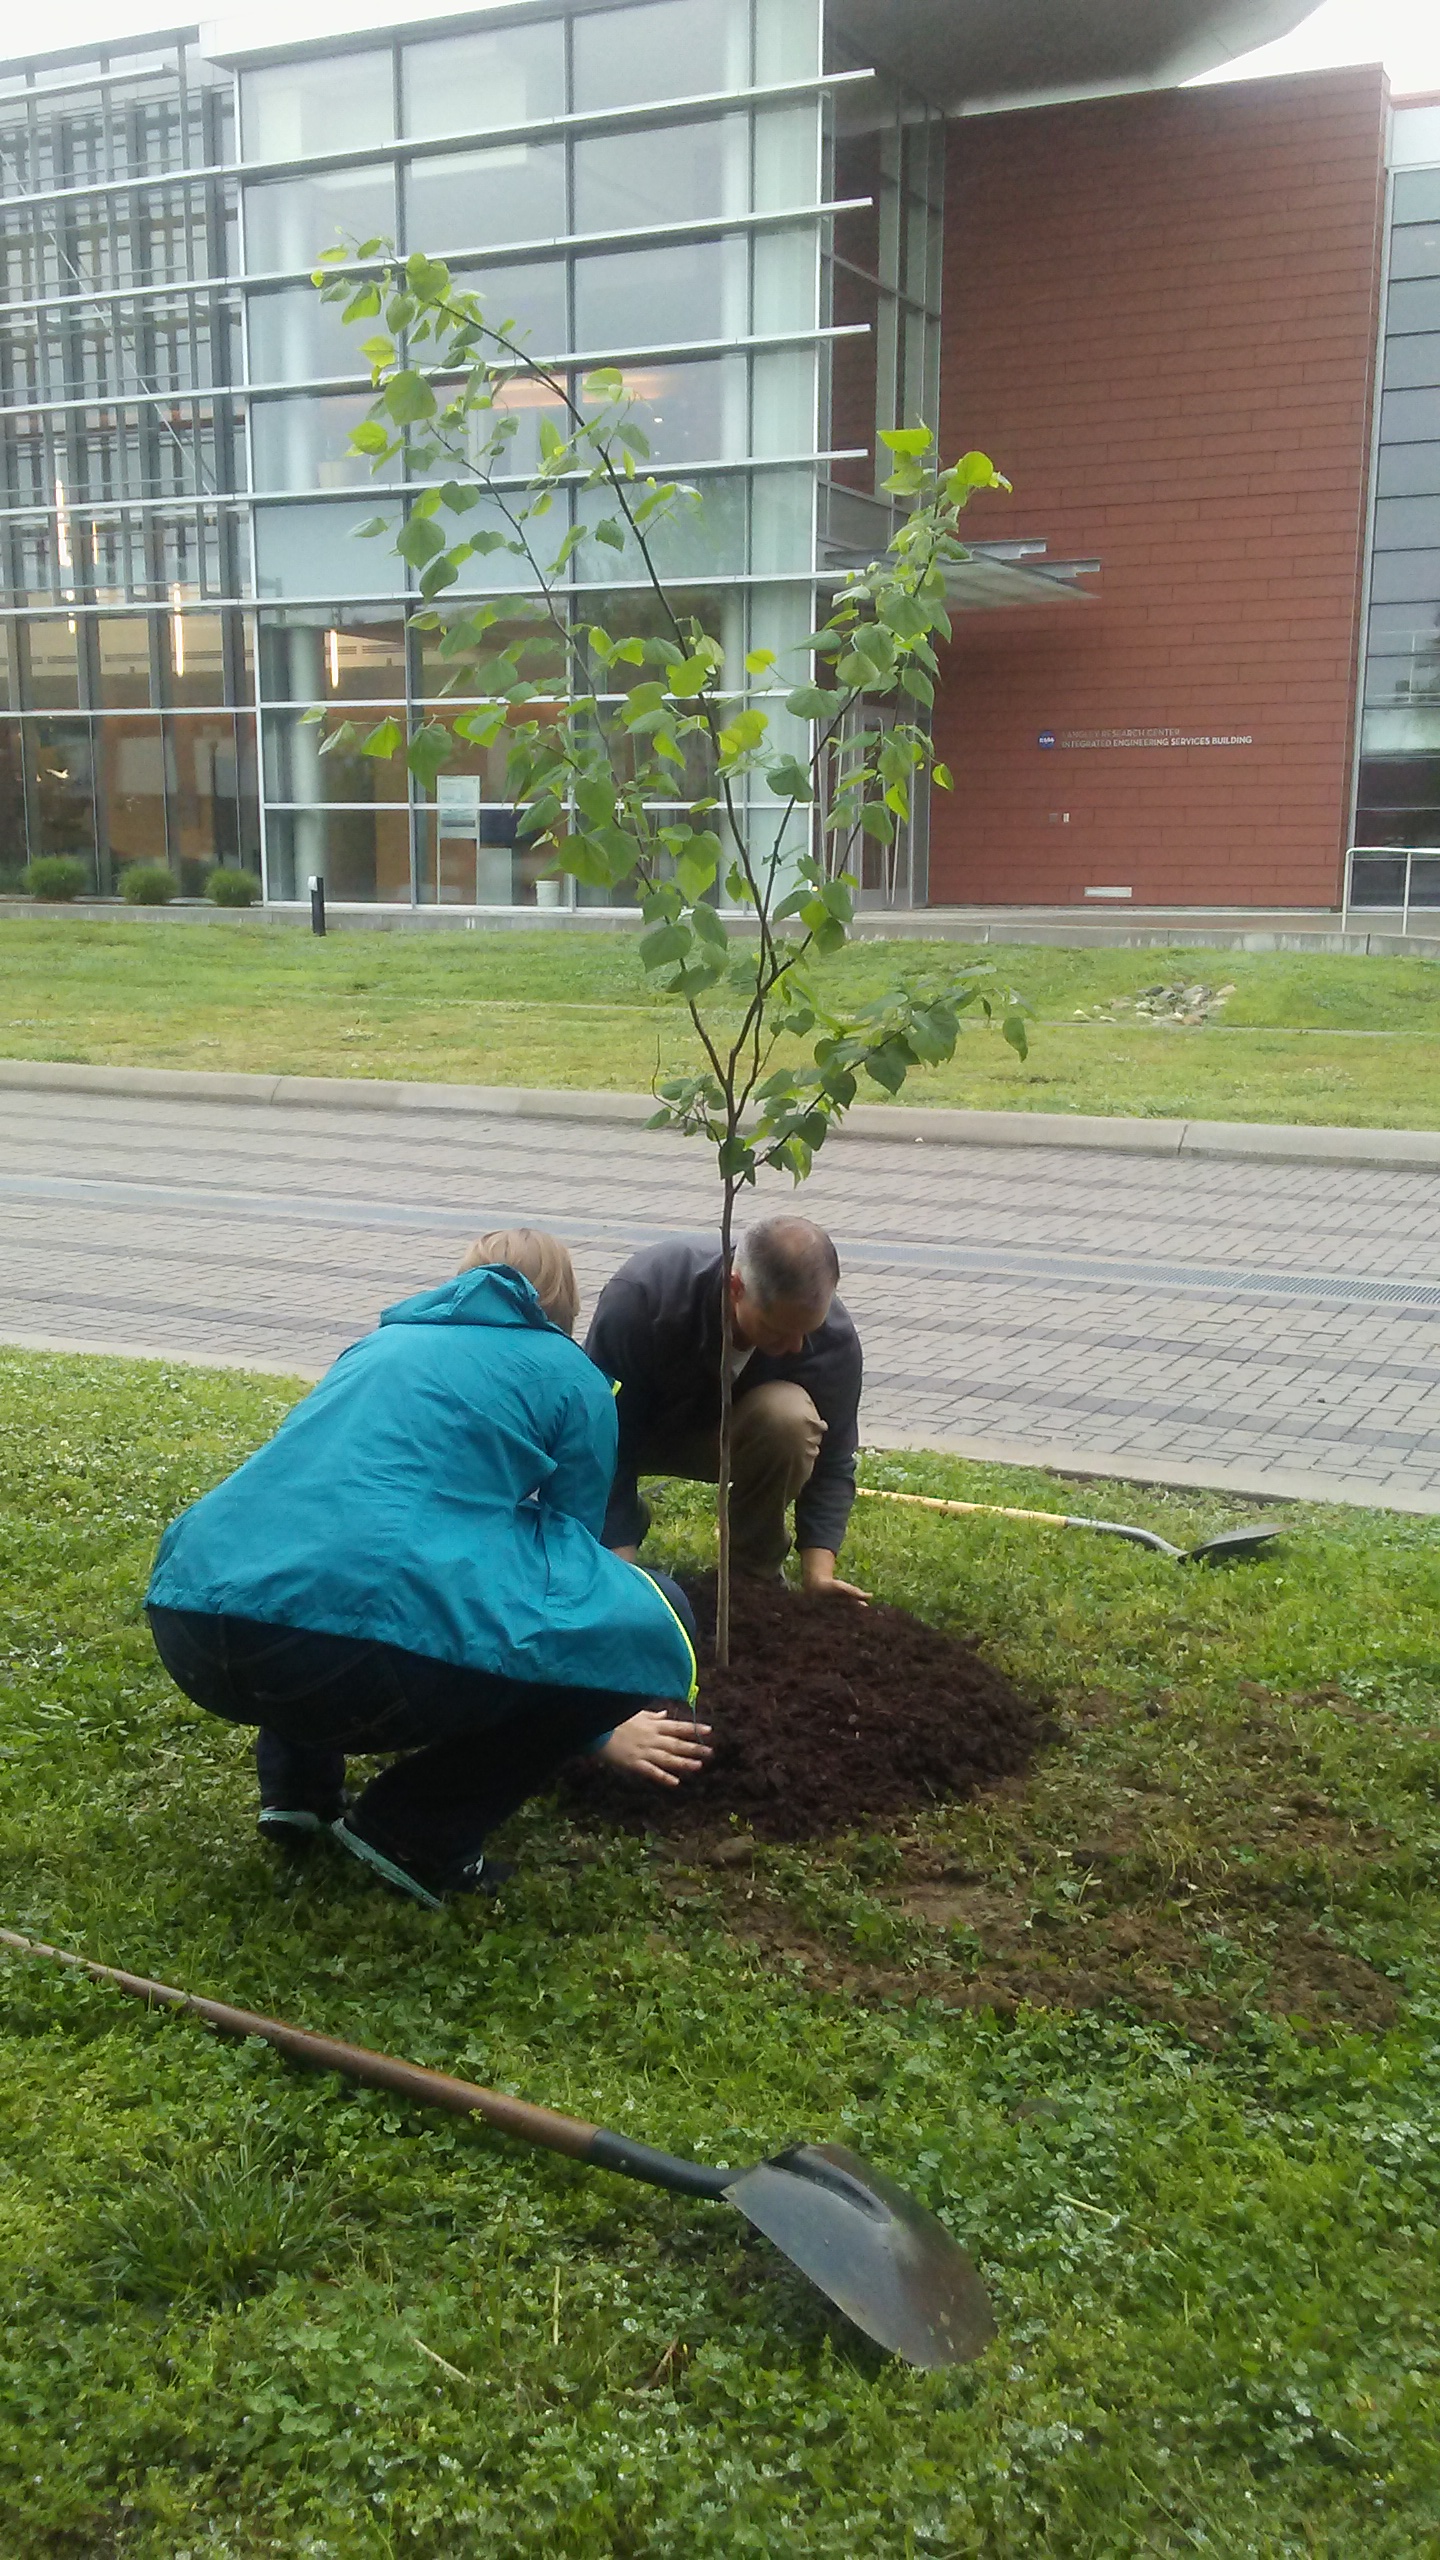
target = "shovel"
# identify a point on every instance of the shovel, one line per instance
(1222, 1550)
(868, 2246)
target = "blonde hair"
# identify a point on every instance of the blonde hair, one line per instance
(538, 1258)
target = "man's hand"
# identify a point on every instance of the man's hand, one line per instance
(656, 1745)
(817, 1573)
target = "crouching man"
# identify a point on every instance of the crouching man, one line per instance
(796, 1374)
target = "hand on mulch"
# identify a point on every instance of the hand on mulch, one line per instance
(654, 1745)
(831, 1716)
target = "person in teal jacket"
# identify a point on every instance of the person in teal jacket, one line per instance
(413, 1565)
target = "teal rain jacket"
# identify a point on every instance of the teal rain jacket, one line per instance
(396, 1504)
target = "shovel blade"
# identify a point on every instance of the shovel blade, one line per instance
(879, 2256)
(1231, 1544)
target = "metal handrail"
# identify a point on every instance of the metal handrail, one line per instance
(1384, 852)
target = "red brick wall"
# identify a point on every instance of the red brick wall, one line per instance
(1160, 319)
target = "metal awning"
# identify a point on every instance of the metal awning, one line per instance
(968, 55)
(995, 574)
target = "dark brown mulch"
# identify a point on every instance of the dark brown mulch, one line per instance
(830, 1716)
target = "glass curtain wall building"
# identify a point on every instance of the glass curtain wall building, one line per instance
(1399, 780)
(689, 189)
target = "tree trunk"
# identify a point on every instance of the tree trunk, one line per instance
(722, 1496)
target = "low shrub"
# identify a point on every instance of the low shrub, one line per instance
(147, 884)
(56, 875)
(230, 888)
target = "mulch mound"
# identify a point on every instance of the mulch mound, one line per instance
(830, 1716)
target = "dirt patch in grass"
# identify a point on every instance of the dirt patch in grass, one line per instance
(831, 1716)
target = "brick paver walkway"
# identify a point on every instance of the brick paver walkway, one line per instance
(1235, 1322)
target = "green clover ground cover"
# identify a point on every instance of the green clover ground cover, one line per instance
(1315, 1038)
(1156, 2031)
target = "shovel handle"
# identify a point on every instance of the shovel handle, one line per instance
(995, 1510)
(513, 2116)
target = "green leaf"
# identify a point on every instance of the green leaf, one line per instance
(788, 779)
(429, 749)
(383, 739)
(552, 443)
(607, 382)
(408, 397)
(611, 532)
(1013, 1030)
(942, 774)
(419, 540)
(372, 525)
(665, 944)
(696, 867)
(907, 440)
(709, 926)
(811, 702)
(758, 662)
(370, 437)
(689, 678)
(427, 278)
(363, 305)
(441, 573)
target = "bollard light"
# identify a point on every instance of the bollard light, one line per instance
(317, 903)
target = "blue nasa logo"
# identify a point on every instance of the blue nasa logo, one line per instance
(1046, 738)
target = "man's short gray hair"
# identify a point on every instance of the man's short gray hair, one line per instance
(789, 1262)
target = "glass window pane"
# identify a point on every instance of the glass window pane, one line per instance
(295, 769)
(1408, 469)
(209, 821)
(1406, 523)
(473, 83)
(783, 403)
(471, 199)
(1401, 575)
(1415, 305)
(194, 657)
(1417, 196)
(295, 337)
(54, 665)
(667, 49)
(660, 297)
(470, 856)
(787, 281)
(676, 173)
(302, 442)
(59, 753)
(346, 656)
(787, 41)
(1413, 362)
(311, 551)
(703, 537)
(361, 854)
(787, 158)
(123, 650)
(1409, 416)
(782, 537)
(340, 102)
(1415, 250)
(532, 296)
(691, 412)
(131, 758)
(542, 662)
(1399, 680)
(289, 221)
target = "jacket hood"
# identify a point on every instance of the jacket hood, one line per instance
(493, 1295)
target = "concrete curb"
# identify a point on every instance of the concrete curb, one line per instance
(1085, 1466)
(1417, 1149)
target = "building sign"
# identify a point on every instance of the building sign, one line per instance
(1145, 738)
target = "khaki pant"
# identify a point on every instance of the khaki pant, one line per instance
(775, 1441)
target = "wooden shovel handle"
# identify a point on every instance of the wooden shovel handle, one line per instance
(353, 2061)
(995, 1510)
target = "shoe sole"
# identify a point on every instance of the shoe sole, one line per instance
(376, 1860)
(287, 1828)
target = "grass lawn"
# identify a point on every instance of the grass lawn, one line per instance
(575, 1009)
(1156, 2031)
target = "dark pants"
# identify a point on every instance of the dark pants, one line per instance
(476, 1745)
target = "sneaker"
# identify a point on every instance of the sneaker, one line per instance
(294, 1826)
(476, 1875)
